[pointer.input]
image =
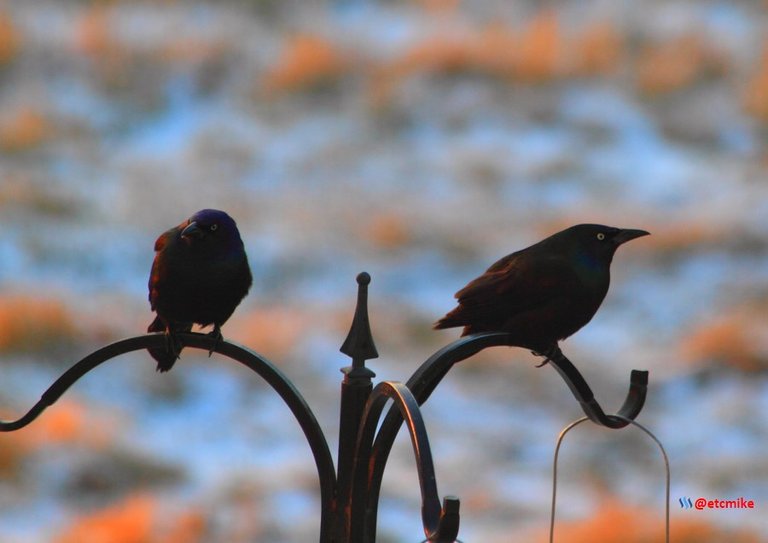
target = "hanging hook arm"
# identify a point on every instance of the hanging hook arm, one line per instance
(441, 522)
(274, 377)
(77, 371)
(633, 403)
(429, 375)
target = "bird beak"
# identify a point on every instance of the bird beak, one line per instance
(191, 231)
(628, 234)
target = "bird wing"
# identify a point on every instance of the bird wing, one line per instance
(154, 274)
(163, 238)
(518, 282)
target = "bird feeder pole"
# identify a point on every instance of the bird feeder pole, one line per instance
(349, 501)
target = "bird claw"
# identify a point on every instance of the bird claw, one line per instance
(218, 336)
(172, 344)
(544, 363)
(549, 355)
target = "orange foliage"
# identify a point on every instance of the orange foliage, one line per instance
(10, 42)
(65, 421)
(755, 97)
(436, 54)
(437, 7)
(620, 524)
(93, 36)
(736, 339)
(30, 324)
(128, 522)
(27, 128)
(542, 48)
(12, 451)
(306, 60)
(495, 50)
(535, 54)
(686, 235)
(598, 50)
(667, 66)
(188, 528)
(135, 520)
(387, 231)
(270, 330)
(675, 64)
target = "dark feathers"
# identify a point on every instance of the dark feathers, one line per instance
(543, 293)
(199, 276)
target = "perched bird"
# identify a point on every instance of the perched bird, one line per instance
(199, 276)
(543, 293)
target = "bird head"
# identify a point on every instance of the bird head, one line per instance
(599, 242)
(210, 227)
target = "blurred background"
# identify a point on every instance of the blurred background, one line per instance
(418, 141)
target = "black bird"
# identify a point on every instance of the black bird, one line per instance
(199, 276)
(543, 293)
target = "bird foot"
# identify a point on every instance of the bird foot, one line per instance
(168, 356)
(543, 363)
(218, 336)
(549, 355)
(172, 344)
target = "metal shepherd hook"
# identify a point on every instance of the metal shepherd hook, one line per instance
(349, 502)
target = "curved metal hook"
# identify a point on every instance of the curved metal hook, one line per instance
(274, 377)
(426, 378)
(441, 523)
(633, 403)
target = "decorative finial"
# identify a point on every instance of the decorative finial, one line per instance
(363, 278)
(359, 344)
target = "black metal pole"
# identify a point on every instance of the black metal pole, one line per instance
(355, 390)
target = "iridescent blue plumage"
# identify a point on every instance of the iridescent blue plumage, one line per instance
(199, 276)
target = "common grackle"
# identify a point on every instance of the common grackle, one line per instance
(543, 293)
(199, 276)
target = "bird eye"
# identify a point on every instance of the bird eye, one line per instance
(214, 227)
(600, 236)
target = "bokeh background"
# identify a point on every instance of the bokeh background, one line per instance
(419, 141)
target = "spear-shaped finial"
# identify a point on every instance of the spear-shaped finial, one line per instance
(359, 344)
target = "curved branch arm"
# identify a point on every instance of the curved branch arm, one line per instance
(426, 378)
(633, 403)
(441, 523)
(274, 377)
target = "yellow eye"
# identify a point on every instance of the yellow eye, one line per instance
(600, 236)
(214, 227)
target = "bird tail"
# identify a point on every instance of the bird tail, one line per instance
(452, 320)
(445, 322)
(168, 355)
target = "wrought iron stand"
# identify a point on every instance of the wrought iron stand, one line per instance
(349, 494)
